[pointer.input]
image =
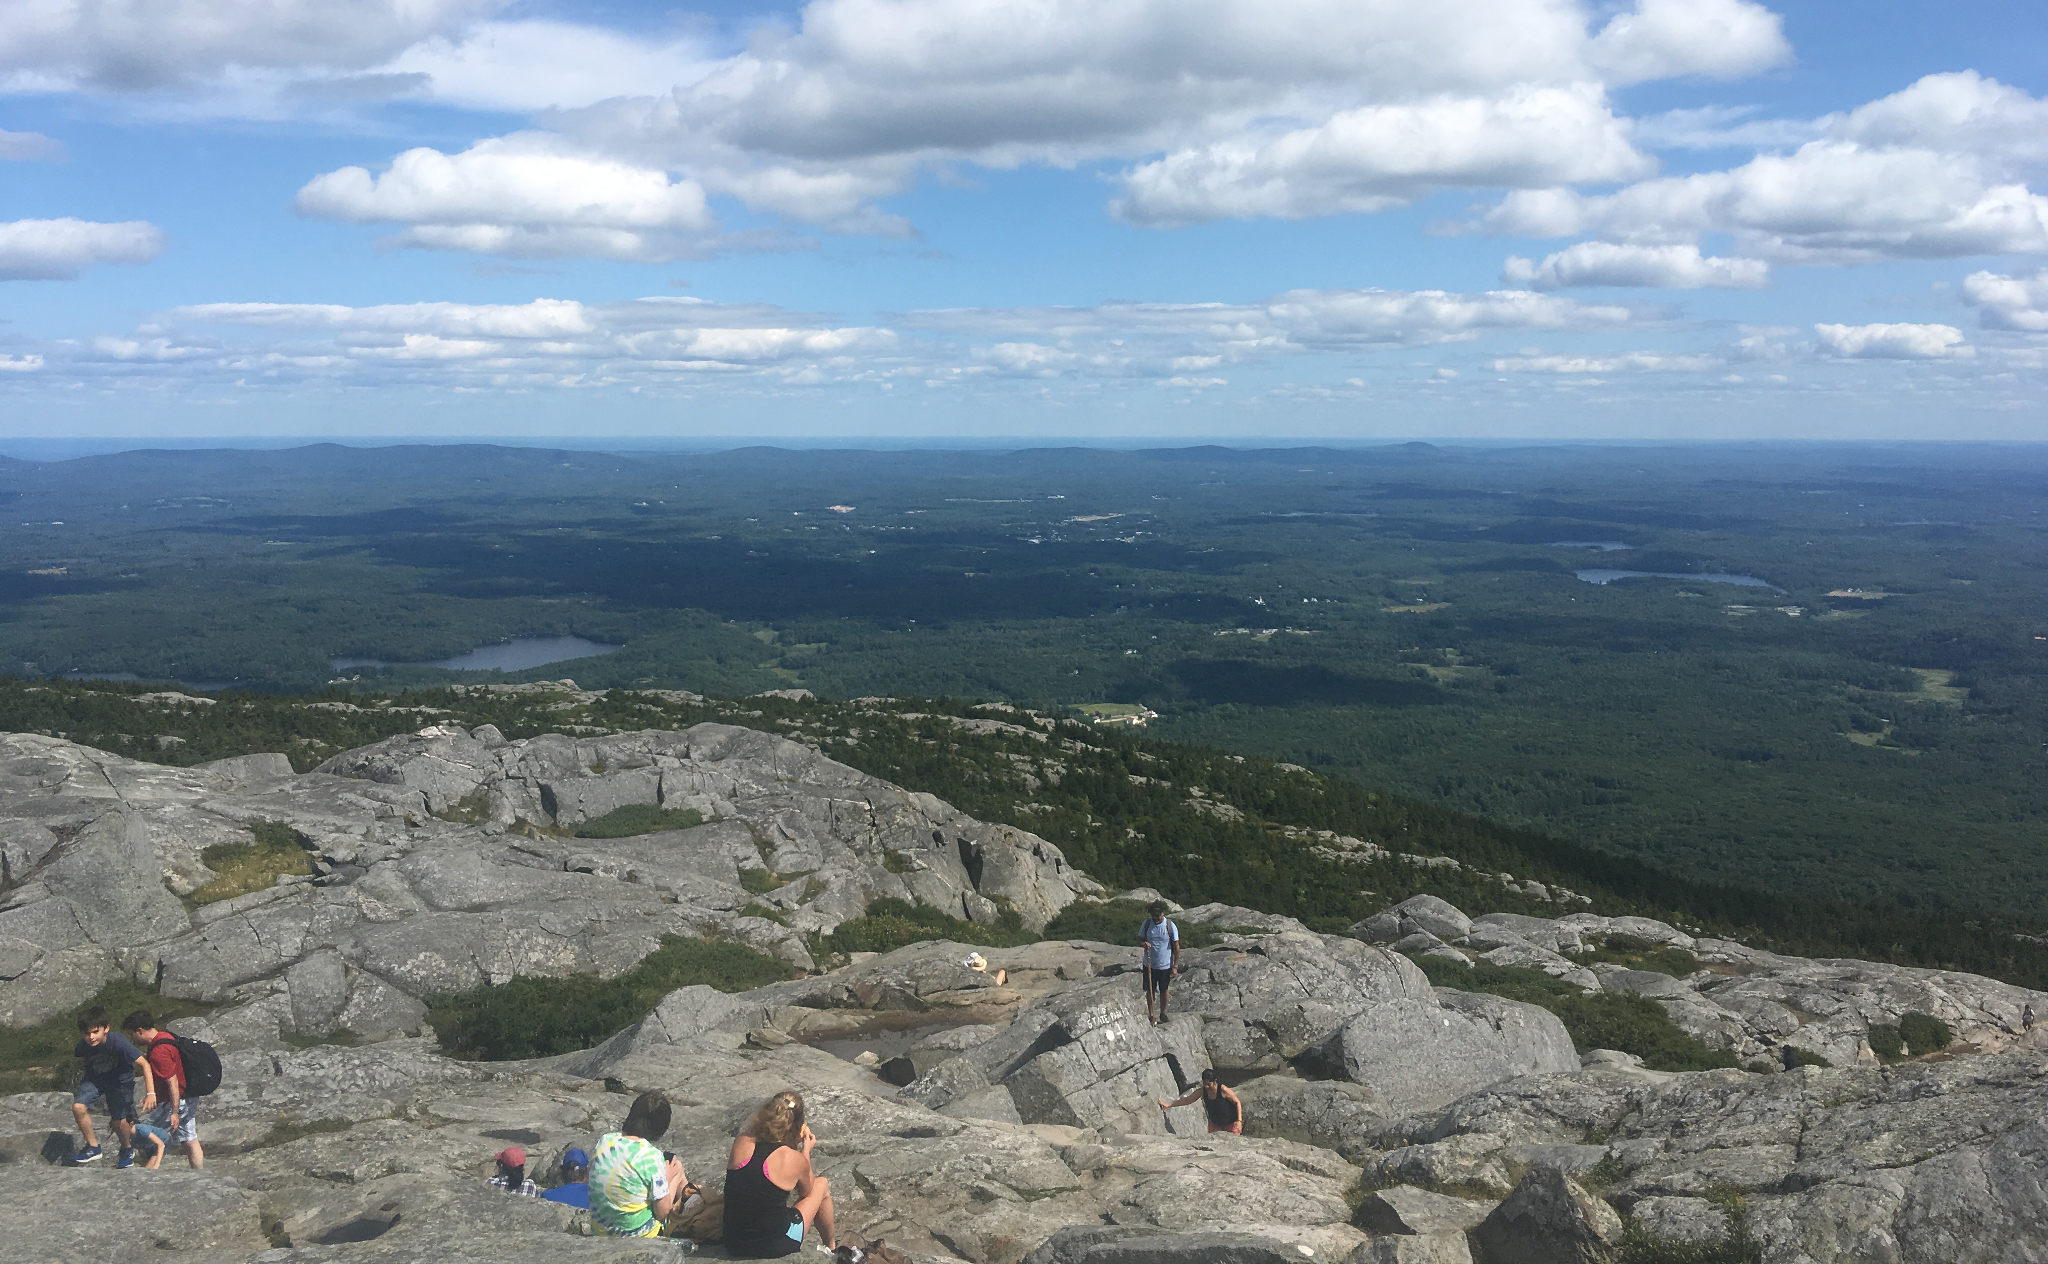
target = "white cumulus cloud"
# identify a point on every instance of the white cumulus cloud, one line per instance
(1715, 39)
(1375, 157)
(2010, 302)
(28, 147)
(1676, 267)
(145, 44)
(1894, 342)
(1630, 362)
(519, 195)
(59, 249)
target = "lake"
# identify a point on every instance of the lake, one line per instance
(517, 654)
(1605, 546)
(1598, 575)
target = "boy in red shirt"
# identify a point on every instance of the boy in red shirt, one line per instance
(174, 1112)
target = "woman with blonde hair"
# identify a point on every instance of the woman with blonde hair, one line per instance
(771, 1159)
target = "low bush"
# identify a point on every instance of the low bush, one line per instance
(890, 923)
(1597, 1020)
(1116, 922)
(639, 818)
(531, 1018)
(1914, 1035)
(240, 868)
(758, 881)
(37, 1058)
(1639, 954)
(1924, 1033)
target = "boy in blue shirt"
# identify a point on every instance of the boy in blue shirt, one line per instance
(111, 1065)
(574, 1191)
(1160, 959)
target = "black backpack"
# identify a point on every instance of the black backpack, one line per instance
(202, 1064)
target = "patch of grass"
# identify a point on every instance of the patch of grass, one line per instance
(1116, 922)
(1602, 1175)
(240, 868)
(532, 1018)
(1639, 1246)
(1640, 954)
(897, 862)
(758, 881)
(755, 908)
(37, 1058)
(1599, 1020)
(890, 923)
(639, 818)
(473, 808)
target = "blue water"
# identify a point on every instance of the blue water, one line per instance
(506, 656)
(1605, 546)
(1597, 575)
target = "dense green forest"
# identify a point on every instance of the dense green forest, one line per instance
(1198, 823)
(1867, 728)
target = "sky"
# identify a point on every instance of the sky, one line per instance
(1115, 219)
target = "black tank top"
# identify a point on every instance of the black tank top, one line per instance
(1222, 1111)
(757, 1210)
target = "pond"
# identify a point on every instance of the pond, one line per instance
(517, 654)
(1598, 575)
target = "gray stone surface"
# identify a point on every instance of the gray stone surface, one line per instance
(1549, 1219)
(1030, 1129)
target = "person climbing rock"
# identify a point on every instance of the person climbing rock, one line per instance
(1159, 958)
(1219, 1102)
(771, 1159)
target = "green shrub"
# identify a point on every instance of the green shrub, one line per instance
(1116, 922)
(639, 818)
(755, 908)
(1924, 1033)
(37, 1058)
(1599, 1020)
(240, 868)
(531, 1018)
(758, 881)
(1885, 1041)
(890, 923)
(1639, 954)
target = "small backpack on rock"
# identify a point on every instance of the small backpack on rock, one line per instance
(202, 1064)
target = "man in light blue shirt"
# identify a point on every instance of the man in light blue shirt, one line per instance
(1160, 960)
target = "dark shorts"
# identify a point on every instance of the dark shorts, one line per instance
(1158, 980)
(768, 1248)
(119, 1095)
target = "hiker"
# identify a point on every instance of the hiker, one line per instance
(176, 1115)
(633, 1185)
(771, 1159)
(1225, 1111)
(111, 1065)
(511, 1175)
(1160, 958)
(2027, 1019)
(979, 964)
(574, 1191)
(151, 1141)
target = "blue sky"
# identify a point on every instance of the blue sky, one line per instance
(1335, 219)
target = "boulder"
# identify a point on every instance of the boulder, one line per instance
(1691, 1221)
(1420, 1055)
(1404, 1209)
(1549, 1219)
(1120, 1245)
(1445, 1247)
(1435, 916)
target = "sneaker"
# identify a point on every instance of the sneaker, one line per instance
(84, 1156)
(126, 1158)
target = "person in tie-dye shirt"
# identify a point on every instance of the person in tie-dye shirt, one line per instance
(633, 1185)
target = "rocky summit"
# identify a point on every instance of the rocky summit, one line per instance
(993, 1116)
